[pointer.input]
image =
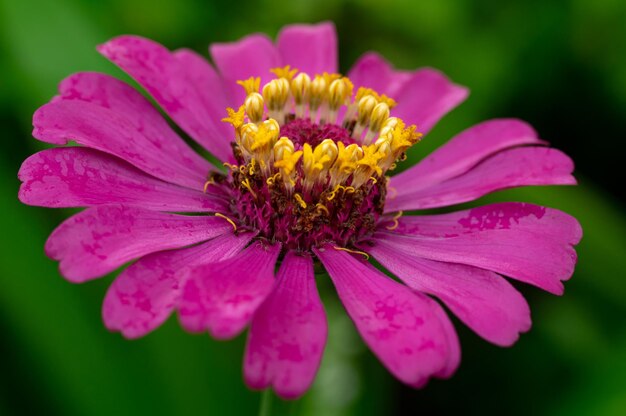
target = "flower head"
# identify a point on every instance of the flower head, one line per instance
(308, 153)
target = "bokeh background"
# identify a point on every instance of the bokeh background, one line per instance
(561, 65)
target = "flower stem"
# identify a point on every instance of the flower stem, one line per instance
(265, 409)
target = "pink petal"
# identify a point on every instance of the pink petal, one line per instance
(97, 127)
(173, 86)
(81, 177)
(426, 97)
(211, 89)
(522, 255)
(507, 169)
(545, 222)
(484, 301)
(188, 167)
(143, 296)
(464, 151)
(100, 239)
(406, 330)
(309, 48)
(221, 297)
(372, 71)
(252, 56)
(288, 332)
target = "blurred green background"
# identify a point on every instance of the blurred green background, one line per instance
(561, 65)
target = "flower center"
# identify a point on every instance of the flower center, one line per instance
(311, 158)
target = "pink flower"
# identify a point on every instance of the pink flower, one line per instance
(307, 155)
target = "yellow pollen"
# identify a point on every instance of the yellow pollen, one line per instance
(251, 84)
(235, 118)
(379, 138)
(286, 72)
(217, 214)
(364, 254)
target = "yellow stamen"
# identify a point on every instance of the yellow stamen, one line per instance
(364, 254)
(254, 107)
(300, 201)
(339, 93)
(251, 84)
(206, 185)
(284, 72)
(217, 214)
(300, 91)
(230, 166)
(235, 118)
(246, 184)
(321, 207)
(395, 219)
(317, 93)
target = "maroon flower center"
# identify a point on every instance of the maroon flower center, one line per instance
(311, 158)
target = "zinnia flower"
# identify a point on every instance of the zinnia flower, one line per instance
(307, 153)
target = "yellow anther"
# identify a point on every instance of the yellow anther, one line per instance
(284, 72)
(317, 92)
(300, 201)
(286, 159)
(264, 140)
(345, 164)
(251, 84)
(364, 254)
(251, 169)
(403, 138)
(300, 88)
(317, 161)
(282, 146)
(248, 134)
(365, 107)
(326, 152)
(217, 214)
(254, 107)
(287, 164)
(367, 166)
(370, 159)
(235, 118)
(339, 93)
(380, 114)
(276, 93)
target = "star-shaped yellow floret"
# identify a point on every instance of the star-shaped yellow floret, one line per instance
(286, 72)
(251, 84)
